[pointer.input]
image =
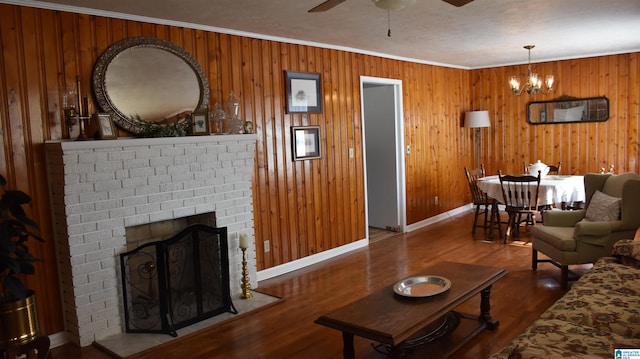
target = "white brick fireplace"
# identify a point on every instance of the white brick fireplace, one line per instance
(98, 188)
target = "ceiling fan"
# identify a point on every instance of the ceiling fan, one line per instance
(385, 4)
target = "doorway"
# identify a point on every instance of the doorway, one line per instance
(383, 148)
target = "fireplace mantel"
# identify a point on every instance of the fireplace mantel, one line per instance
(98, 188)
(135, 141)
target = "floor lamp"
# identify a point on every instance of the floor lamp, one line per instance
(477, 120)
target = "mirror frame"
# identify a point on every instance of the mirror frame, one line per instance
(133, 125)
(568, 100)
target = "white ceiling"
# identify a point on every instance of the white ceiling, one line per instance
(483, 33)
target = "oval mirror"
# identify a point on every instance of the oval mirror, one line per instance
(145, 80)
(568, 109)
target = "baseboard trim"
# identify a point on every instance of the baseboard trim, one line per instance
(319, 257)
(439, 217)
(58, 339)
(312, 259)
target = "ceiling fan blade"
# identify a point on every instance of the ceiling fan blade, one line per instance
(458, 3)
(326, 5)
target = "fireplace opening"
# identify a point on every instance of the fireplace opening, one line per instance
(176, 282)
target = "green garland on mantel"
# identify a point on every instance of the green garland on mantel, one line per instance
(166, 128)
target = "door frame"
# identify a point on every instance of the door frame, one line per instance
(400, 148)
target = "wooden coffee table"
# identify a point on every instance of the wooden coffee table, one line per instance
(391, 319)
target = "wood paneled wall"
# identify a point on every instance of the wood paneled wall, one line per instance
(304, 207)
(582, 147)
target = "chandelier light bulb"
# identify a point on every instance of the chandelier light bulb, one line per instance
(549, 82)
(533, 80)
(515, 83)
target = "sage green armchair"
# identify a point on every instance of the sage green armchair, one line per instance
(567, 238)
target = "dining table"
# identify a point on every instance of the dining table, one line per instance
(554, 190)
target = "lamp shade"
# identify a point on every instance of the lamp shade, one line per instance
(474, 119)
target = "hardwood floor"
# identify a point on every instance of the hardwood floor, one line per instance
(287, 329)
(378, 234)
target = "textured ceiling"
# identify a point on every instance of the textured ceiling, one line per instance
(483, 33)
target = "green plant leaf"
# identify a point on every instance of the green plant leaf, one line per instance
(15, 230)
(15, 287)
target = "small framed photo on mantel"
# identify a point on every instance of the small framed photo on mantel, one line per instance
(305, 142)
(199, 124)
(304, 92)
(103, 127)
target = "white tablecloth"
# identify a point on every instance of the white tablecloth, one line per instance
(553, 189)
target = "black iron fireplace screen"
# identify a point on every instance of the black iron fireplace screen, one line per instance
(176, 282)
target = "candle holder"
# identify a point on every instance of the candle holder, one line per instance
(76, 112)
(245, 284)
(70, 120)
(83, 128)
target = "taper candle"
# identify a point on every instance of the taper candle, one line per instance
(244, 240)
(79, 96)
(85, 106)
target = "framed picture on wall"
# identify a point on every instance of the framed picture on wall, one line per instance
(304, 93)
(305, 142)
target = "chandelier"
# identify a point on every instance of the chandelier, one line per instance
(533, 85)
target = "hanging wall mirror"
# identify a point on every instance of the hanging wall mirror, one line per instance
(568, 109)
(142, 81)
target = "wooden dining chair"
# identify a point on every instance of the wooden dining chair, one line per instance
(484, 204)
(521, 196)
(555, 170)
(611, 170)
